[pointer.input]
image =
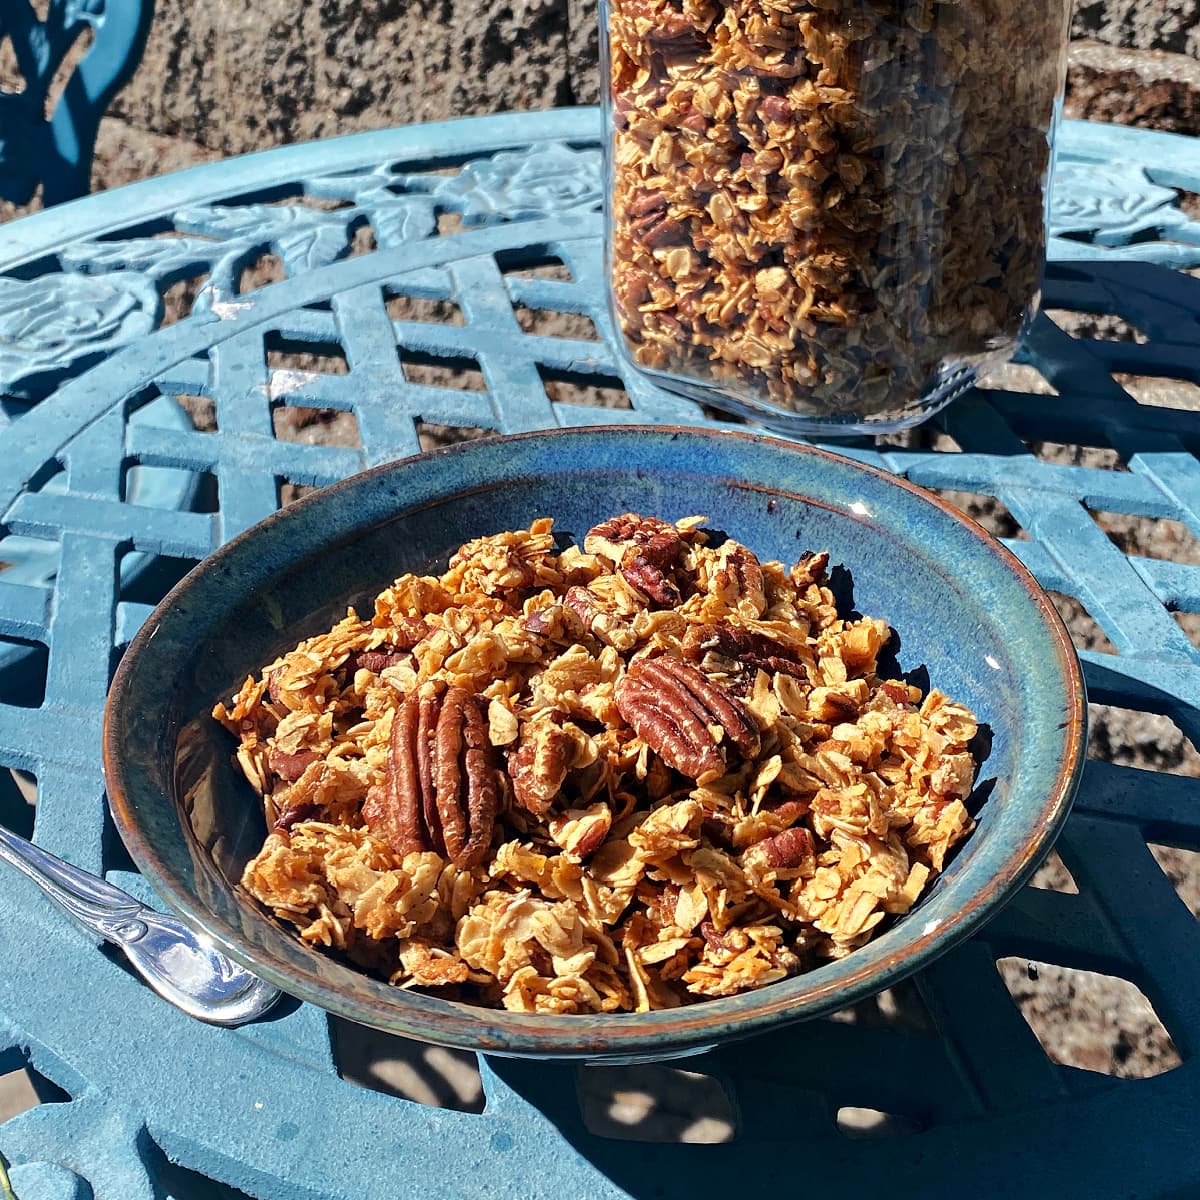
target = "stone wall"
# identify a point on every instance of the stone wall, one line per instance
(1169, 25)
(238, 75)
(230, 76)
(1150, 88)
(1134, 62)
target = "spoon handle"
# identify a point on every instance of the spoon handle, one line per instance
(94, 902)
(178, 964)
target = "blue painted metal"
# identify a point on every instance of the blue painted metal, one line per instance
(55, 149)
(255, 1108)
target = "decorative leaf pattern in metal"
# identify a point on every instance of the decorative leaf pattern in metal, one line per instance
(49, 323)
(518, 184)
(258, 1115)
(1110, 203)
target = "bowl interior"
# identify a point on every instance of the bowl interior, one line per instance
(965, 613)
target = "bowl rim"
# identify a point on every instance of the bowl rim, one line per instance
(619, 1036)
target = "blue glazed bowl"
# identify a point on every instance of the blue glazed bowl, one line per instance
(964, 608)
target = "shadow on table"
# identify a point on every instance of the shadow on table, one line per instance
(600, 1110)
(779, 1089)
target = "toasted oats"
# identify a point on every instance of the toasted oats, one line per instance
(819, 203)
(612, 883)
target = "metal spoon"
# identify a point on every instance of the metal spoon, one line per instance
(178, 963)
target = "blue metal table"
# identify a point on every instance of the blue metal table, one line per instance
(415, 281)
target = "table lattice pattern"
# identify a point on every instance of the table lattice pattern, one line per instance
(414, 284)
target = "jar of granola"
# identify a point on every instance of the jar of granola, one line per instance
(828, 214)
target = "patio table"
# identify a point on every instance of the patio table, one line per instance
(414, 283)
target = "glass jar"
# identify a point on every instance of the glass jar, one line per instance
(829, 215)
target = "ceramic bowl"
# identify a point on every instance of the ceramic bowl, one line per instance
(963, 606)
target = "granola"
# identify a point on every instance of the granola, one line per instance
(821, 202)
(566, 782)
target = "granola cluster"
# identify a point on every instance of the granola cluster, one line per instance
(623, 776)
(818, 202)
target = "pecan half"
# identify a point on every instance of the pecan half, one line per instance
(674, 708)
(753, 649)
(539, 765)
(645, 575)
(612, 538)
(787, 850)
(644, 550)
(441, 791)
(739, 580)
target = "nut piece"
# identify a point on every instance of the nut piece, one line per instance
(289, 767)
(731, 942)
(675, 708)
(668, 22)
(787, 850)
(739, 581)
(647, 213)
(441, 791)
(810, 568)
(644, 550)
(545, 622)
(376, 661)
(304, 811)
(539, 765)
(407, 632)
(581, 832)
(828, 704)
(753, 649)
(596, 618)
